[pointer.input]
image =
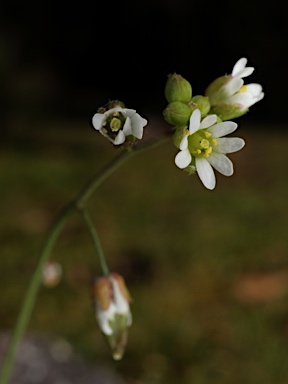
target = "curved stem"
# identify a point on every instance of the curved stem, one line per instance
(35, 282)
(96, 242)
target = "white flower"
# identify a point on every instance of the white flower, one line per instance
(118, 123)
(203, 146)
(112, 302)
(238, 93)
(229, 97)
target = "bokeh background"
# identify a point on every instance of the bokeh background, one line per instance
(208, 271)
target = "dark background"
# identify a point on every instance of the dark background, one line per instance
(67, 59)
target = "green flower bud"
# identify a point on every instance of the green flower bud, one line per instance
(215, 91)
(228, 111)
(202, 103)
(178, 136)
(177, 113)
(178, 89)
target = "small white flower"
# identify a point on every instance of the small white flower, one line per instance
(204, 146)
(52, 273)
(118, 123)
(236, 92)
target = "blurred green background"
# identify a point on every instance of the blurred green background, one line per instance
(207, 270)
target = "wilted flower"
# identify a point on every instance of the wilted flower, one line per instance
(202, 146)
(119, 124)
(112, 302)
(228, 95)
(52, 273)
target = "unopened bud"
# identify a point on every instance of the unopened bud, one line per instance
(215, 90)
(202, 103)
(228, 111)
(177, 113)
(178, 89)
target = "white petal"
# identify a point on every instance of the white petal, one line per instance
(194, 124)
(208, 121)
(241, 63)
(127, 128)
(206, 173)
(243, 99)
(221, 163)
(98, 120)
(126, 112)
(119, 139)
(137, 125)
(184, 142)
(222, 129)
(254, 88)
(232, 86)
(229, 144)
(183, 159)
(245, 72)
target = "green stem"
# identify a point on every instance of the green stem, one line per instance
(96, 241)
(35, 282)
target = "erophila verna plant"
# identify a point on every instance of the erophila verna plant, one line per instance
(200, 125)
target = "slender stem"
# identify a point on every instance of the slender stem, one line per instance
(96, 241)
(61, 219)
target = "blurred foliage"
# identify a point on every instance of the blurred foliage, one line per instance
(207, 270)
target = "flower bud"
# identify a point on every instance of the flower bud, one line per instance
(178, 89)
(216, 90)
(112, 301)
(177, 113)
(202, 103)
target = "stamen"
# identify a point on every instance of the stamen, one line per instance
(207, 134)
(207, 152)
(198, 151)
(243, 88)
(214, 141)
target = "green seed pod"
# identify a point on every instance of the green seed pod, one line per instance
(177, 113)
(178, 89)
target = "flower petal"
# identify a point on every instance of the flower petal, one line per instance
(206, 173)
(137, 125)
(184, 142)
(120, 138)
(232, 86)
(126, 112)
(229, 144)
(208, 121)
(194, 123)
(221, 163)
(222, 129)
(254, 88)
(240, 64)
(98, 120)
(127, 128)
(183, 159)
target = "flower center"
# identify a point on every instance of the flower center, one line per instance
(114, 123)
(201, 143)
(243, 88)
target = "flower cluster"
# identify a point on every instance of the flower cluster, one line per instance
(201, 122)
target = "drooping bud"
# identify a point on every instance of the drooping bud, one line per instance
(177, 113)
(202, 103)
(112, 301)
(228, 111)
(177, 89)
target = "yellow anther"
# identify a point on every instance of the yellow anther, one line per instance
(198, 151)
(207, 152)
(214, 141)
(207, 134)
(116, 113)
(187, 132)
(243, 88)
